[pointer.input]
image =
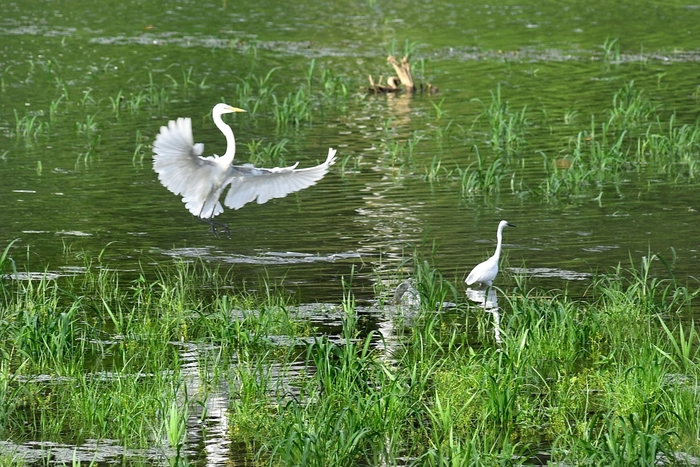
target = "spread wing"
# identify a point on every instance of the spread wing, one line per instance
(249, 183)
(182, 169)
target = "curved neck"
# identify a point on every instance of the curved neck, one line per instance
(499, 238)
(230, 140)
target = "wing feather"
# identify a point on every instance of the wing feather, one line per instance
(183, 171)
(248, 183)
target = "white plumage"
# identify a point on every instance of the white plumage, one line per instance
(201, 180)
(484, 273)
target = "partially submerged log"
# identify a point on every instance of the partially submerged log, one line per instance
(404, 78)
(403, 70)
(391, 85)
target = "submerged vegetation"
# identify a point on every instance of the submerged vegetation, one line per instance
(610, 380)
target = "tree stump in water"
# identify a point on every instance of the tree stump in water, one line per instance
(403, 70)
(391, 85)
(404, 78)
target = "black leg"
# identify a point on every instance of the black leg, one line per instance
(217, 227)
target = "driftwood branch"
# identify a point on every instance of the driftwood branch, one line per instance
(390, 86)
(403, 70)
(404, 78)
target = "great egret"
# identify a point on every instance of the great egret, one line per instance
(484, 273)
(201, 180)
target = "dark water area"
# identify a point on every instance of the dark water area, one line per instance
(78, 186)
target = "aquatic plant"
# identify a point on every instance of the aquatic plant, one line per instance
(433, 171)
(87, 98)
(310, 75)
(176, 424)
(507, 128)
(53, 107)
(6, 259)
(157, 95)
(90, 125)
(139, 145)
(600, 381)
(115, 370)
(116, 103)
(480, 176)
(439, 112)
(272, 154)
(434, 290)
(611, 50)
(400, 151)
(134, 102)
(409, 47)
(188, 81)
(630, 108)
(674, 152)
(295, 109)
(29, 127)
(334, 86)
(252, 91)
(570, 116)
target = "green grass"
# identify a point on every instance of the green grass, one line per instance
(481, 176)
(270, 155)
(98, 357)
(507, 128)
(611, 50)
(633, 137)
(609, 380)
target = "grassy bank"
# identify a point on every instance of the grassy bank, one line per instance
(612, 380)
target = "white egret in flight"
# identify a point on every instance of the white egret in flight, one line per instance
(201, 180)
(484, 273)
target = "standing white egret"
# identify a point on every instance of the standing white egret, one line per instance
(201, 180)
(484, 273)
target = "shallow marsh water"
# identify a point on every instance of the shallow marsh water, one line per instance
(82, 185)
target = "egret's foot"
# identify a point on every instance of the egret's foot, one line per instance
(217, 227)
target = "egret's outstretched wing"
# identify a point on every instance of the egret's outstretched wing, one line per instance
(249, 183)
(182, 170)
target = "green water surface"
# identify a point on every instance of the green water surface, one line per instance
(81, 183)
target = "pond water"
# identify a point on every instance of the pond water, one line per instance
(85, 89)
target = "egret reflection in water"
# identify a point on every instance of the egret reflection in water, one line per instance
(202, 180)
